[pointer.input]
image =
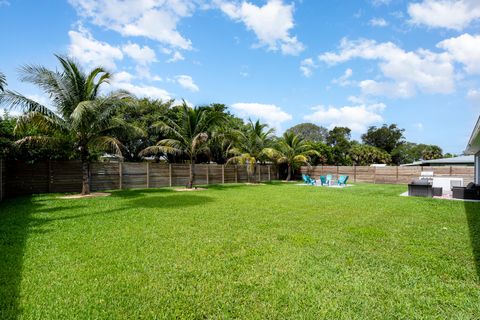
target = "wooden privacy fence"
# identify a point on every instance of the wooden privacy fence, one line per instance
(21, 178)
(393, 175)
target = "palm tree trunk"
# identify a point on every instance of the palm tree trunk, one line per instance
(192, 174)
(85, 177)
(289, 172)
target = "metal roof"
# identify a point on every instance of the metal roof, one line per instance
(473, 146)
(470, 159)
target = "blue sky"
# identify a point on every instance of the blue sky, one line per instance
(355, 63)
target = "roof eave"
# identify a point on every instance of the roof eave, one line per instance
(473, 146)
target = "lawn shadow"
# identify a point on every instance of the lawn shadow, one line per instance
(15, 225)
(472, 211)
(171, 201)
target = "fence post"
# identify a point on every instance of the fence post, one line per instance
(170, 174)
(223, 173)
(208, 177)
(374, 175)
(148, 174)
(354, 173)
(259, 173)
(337, 171)
(451, 171)
(397, 176)
(49, 175)
(236, 173)
(120, 175)
(269, 175)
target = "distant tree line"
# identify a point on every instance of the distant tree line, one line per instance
(83, 123)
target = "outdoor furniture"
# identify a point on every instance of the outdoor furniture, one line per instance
(342, 180)
(308, 180)
(446, 183)
(470, 192)
(323, 181)
(329, 179)
(420, 188)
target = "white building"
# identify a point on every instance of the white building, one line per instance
(474, 148)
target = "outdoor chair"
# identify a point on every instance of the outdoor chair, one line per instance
(323, 180)
(308, 180)
(329, 179)
(342, 180)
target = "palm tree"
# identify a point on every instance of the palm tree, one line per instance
(3, 82)
(187, 136)
(78, 111)
(252, 146)
(291, 150)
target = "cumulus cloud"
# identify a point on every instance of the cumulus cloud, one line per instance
(464, 49)
(187, 83)
(473, 96)
(142, 55)
(449, 14)
(92, 52)
(358, 118)
(344, 80)
(176, 56)
(307, 66)
(378, 22)
(271, 23)
(271, 114)
(408, 71)
(154, 19)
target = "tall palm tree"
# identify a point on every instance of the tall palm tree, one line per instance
(291, 150)
(3, 82)
(187, 136)
(78, 110)
(252, 146)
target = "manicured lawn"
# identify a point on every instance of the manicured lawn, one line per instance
(273, 251)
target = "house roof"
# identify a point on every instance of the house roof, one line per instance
(473, 146)
(470, 159)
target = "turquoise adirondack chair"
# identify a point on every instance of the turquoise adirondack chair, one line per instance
(342, 180)
(329, 178)
(323, 180)
(308, 180)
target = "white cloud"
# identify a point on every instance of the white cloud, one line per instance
(187, 83)
(142, 90)
(176, 56)
(271, 23)
(269, 113)
(142, 55)
(474, 96)
(358, 118)
(154, 19)
(464, 49)
(378, 22)
(307, 66)
(402, 89)
(92, 52)
(407, 70)
(344, 80)
(381, 2)
(122, 76)
(450, 14)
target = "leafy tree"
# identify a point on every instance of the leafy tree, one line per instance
(365, 155)
(252, 146)
(187, 136)
(80, 113)
(409, 152)
(310, 132)
(3, 82)
(339, 139)
(324, 154)
(144, 114)
(384, 137)
(7, 138)
(291, 150)
(449, 155)
(432, 152)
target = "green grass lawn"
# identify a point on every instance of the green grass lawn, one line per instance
(271, 251)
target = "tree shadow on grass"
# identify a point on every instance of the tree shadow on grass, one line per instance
(15, 222)
(170, 201)
(472, 211)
